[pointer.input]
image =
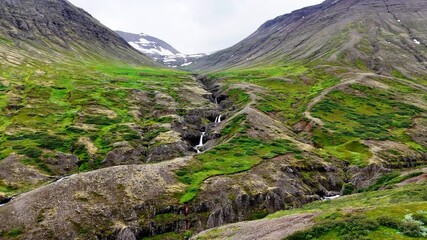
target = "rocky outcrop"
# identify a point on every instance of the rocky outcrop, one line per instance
(14, 174)
(365, 177)
(271, 186)
(62, 164)
(168, 151)
(124, 154)
(264, 229)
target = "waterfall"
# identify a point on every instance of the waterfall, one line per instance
(201, 140)
(218, 119)
(197, 148)
(216, 100)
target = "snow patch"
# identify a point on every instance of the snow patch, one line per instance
(399, 20)
(169, 60)
(144, 41)
(186, 64)
(417, 42)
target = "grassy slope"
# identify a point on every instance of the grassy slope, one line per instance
(48, 108)
(363, 113)
(371, 215)
(351, 115)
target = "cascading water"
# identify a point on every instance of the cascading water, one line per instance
(201, 144)
(218, 119)
(201, 139)
(197, 148)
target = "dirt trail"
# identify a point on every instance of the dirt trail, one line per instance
(348, 81)
(264, 229)
(357, 78)
(260, 119)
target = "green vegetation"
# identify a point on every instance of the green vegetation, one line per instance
(391, 179)
(371, 115)
(13, 233)
(237, 155)
(49, 108)
(356, 226)
(286, 88)
(238, 96)
(397, 213)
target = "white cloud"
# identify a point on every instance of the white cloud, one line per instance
(191, 26)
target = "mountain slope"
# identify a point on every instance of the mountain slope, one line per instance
(108, 150)
(74, 97)
(159, 50)
(57, 31)
(373, 34)
(149, 45)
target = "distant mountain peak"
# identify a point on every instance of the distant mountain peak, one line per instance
(159, 50)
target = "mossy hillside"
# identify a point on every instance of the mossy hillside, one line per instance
(238, 154)
(373, 115)
(48, 108)
(350, 117)
(370, 215)
(289, 87)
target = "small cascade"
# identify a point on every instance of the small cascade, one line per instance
(201, 139)
(216, 101)
(219, 118)
(197, 148)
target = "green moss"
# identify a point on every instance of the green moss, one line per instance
(234, 125)
(31, 152)
(351, 118)
(237, 155)
(57, 102)
(387, 214)
(391, 179)
(13, 233)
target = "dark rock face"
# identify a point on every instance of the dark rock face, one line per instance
(53, 26)
(4, 199)
(313, 33)
(125, 155)
(271, 186)
(168, 151)
(62, 164)
(363, 178)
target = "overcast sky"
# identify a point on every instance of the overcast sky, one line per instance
(191, 26)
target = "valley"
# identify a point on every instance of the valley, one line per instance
(314, 126)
